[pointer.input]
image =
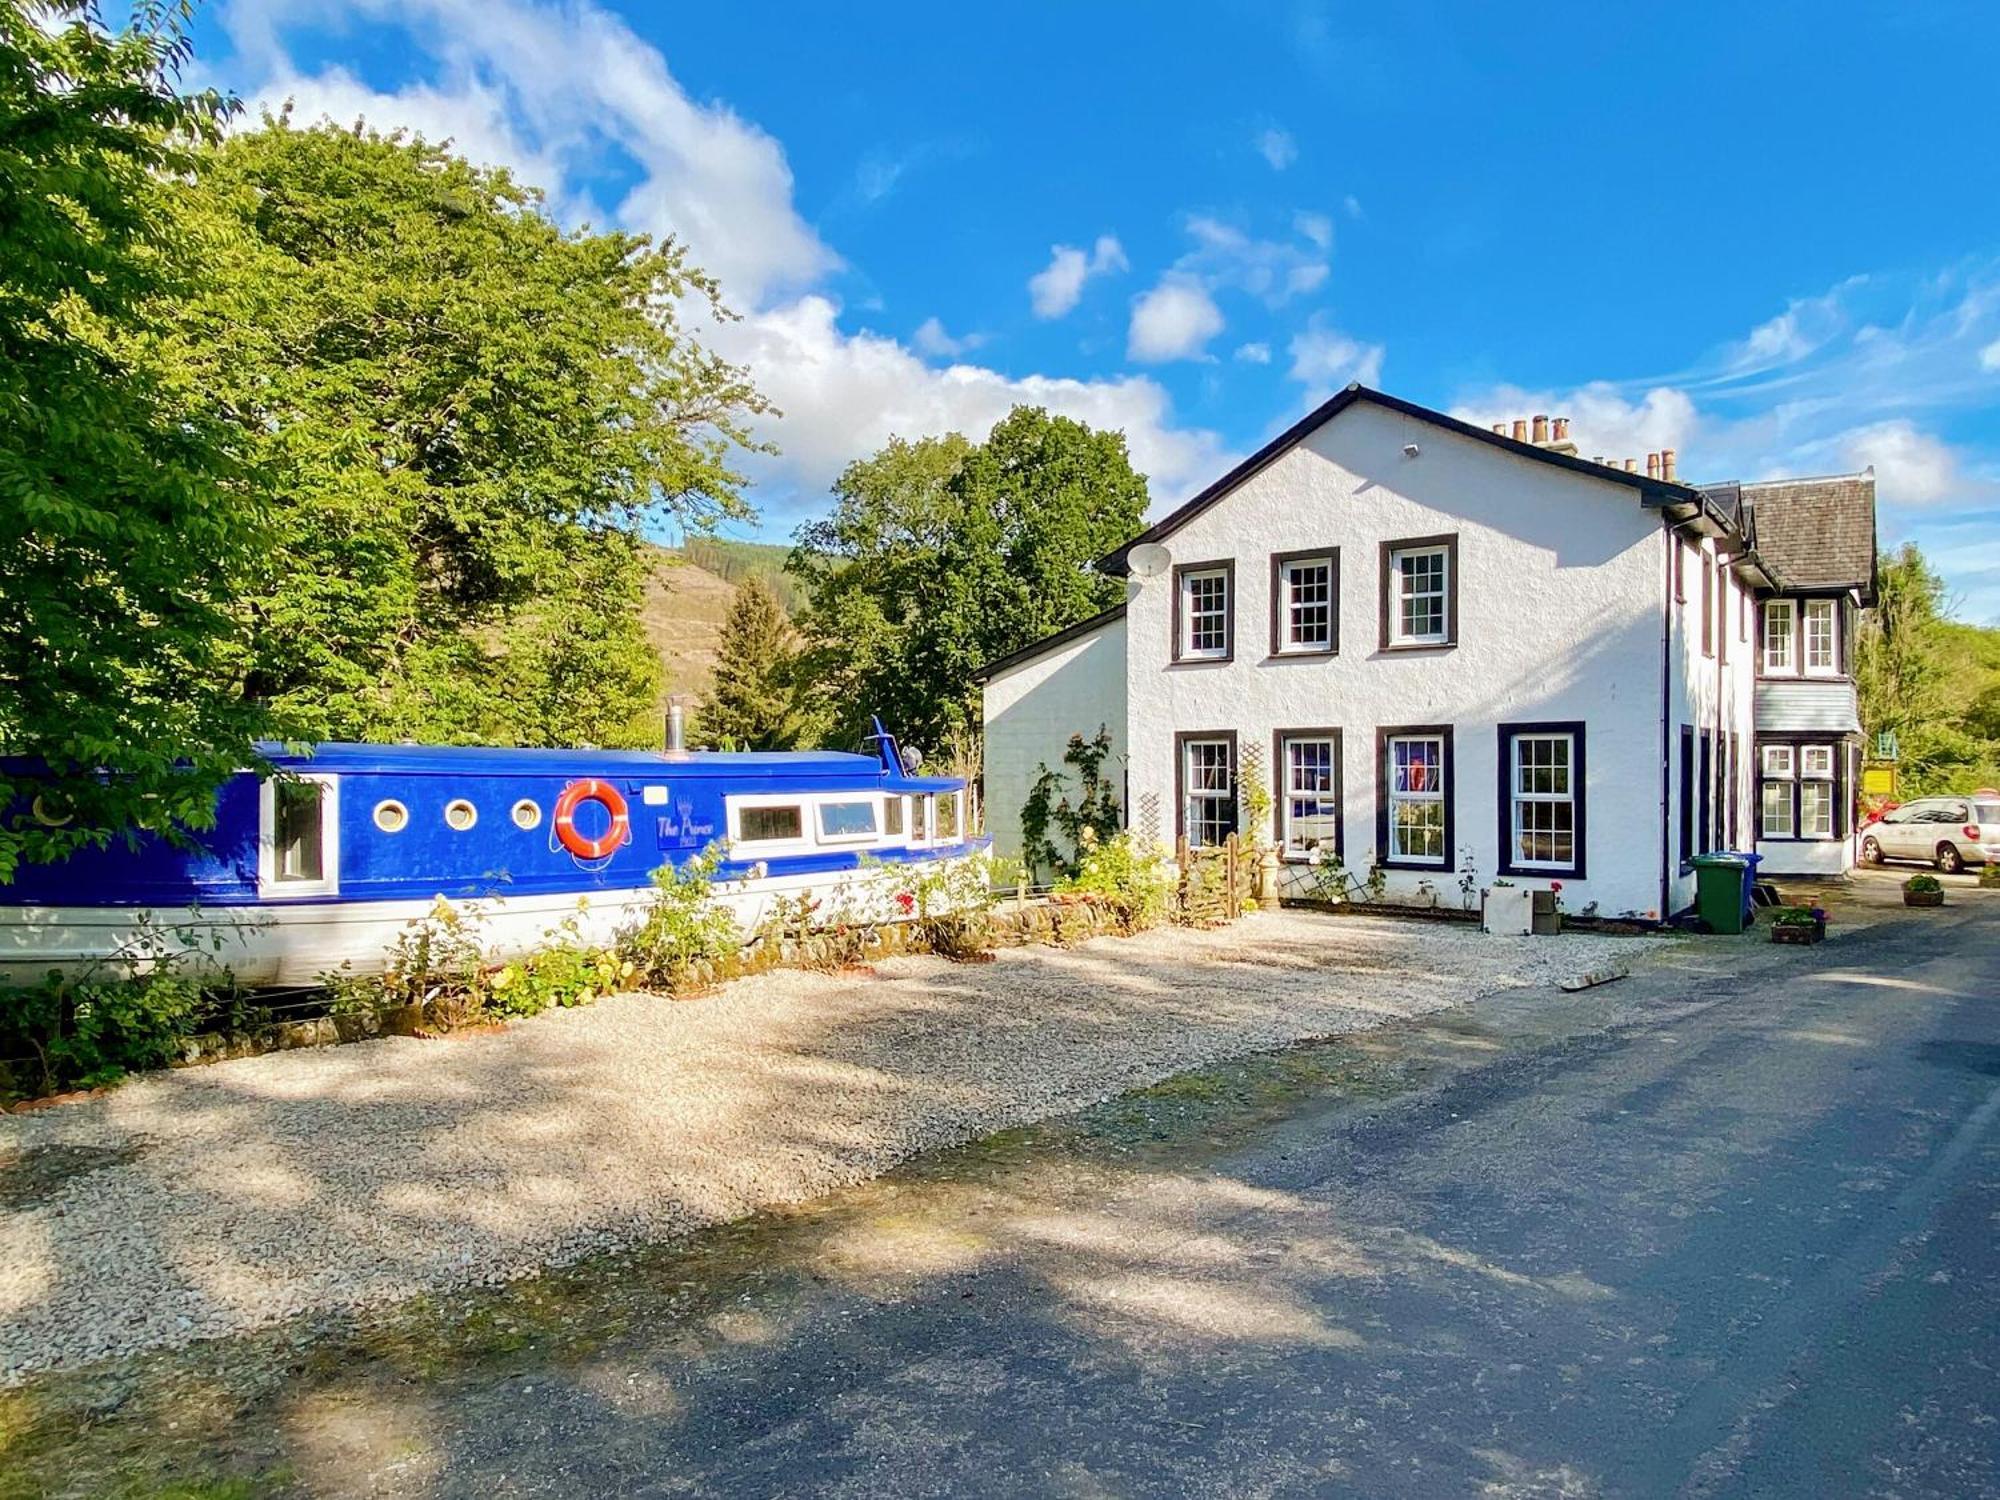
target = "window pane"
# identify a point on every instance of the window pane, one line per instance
(947, 815)
(299, 833)
(892, 816)
(1419, 582)
(846, 819)
(1816, 809)
(1205, 604)
(1209, 811)
(1819, 635)
(1816, 760)
(1778, 636)
(1416, 797)
(1777, 760)
(762, 824)
(1308, 589)
(1310, 811)
(1777, 809)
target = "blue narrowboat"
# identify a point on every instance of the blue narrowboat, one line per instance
(324, 864)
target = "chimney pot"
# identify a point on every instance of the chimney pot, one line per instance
(1541, 428)
(1501, 428)
(1667, 465)
(1562, 429)
(1597, 458)
(1631, 466)
(1652, 466)
(1520, 429)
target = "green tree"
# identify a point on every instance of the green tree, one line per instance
(1918, 676)
(469, 414)
(129, 524)
(754, 702)
(943, 554)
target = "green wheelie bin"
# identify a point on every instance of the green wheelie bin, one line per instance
(1719, 881)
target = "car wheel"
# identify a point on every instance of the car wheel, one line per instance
(1948, 860)
(1871, 852)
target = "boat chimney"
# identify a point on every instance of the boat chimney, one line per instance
(676, 729)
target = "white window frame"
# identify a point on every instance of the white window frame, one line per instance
(1780, 762)
(1392, 853)
(1811, 760)
(1516, 797)
(734, 807)
(1288, 642)
(1771, 663)
(900, 805)
(868, 800)
(1227, 796)
(1765, 830)
(1288, 846)
(1221, 615)
(1399, 595)
(1813, 610)
(269, 884)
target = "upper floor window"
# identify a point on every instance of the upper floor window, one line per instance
(1707, 605)
(1415, 810)
(1304, 603)
(1780, 629)
(1202, 608)
(1420, 592)
(1822, 652)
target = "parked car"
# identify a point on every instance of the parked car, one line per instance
(1949, 832)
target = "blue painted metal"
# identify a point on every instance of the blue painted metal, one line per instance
(429, 858)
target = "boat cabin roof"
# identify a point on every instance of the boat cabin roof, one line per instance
(481, 760)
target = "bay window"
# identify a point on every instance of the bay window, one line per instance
(1780, 649)
(1799, 795)
(1413, 815)
(1541, 813)
(1822, 655)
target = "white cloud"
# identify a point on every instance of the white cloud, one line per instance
(1351, 205)
(845, 395)
(1315, 227)
(1324, 359)
(1175, 320)
(1055, 290)
(1604, 421)
(1254, 354)
(931, 338)
(1911, 467)
(1277, 147)
(1989, 357)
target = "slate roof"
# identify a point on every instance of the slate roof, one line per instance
(1813, 533)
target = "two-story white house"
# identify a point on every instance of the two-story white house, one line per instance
(1444, 650)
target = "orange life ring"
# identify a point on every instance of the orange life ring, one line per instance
(574, 796)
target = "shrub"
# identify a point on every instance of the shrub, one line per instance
(683, 924)
(1797, 916)
(951, 903)
(1128, 877)
(91, 1031)
(1921, 884)
(561, 975)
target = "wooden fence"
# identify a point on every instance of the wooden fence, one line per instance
(1215, 883)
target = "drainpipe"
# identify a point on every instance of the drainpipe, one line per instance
(1666, 706)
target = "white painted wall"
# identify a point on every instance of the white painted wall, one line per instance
(1032, 709)
(1560, 617)
(1714, 692)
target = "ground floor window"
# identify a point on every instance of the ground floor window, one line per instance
(1799, 794)
(1414, 815)
(1308, 791)
(1541, 802)
(1207, 773)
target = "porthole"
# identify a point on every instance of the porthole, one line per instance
(460, 814)
(50, 813)
(527, 813)
(391, 816)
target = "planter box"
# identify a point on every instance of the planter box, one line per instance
(1548, 916)
(1507, 911)
(1923, 898)
(1805, 933)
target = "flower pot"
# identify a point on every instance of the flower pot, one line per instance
(1923, 898)
(1804, 933)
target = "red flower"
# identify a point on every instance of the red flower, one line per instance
(1555, 885)
(906, 900)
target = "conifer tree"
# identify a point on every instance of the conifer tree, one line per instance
(753, 702)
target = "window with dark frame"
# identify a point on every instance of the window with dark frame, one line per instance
(1705, 824)
(1308, 791)
(1202, 612)
(1208, 789)
(1419, 593)
(1416, 771)
(1541, 804)
(1305, 603)
(1707, 605)
(1680, 571)
(1687, 795)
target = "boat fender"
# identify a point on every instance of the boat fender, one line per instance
(574, 796)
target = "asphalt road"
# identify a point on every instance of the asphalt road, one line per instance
(1726, 1227)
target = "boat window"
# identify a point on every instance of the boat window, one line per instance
(947, 815)
(527, 813)
(892, 817)
(391, 816)
(460, 814)
(846, 822)
(769, 825)
(298, 833)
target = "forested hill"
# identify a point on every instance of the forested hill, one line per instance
(688, 592)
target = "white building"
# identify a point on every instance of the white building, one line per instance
(1448, 651)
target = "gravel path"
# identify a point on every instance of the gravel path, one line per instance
(198, 1203)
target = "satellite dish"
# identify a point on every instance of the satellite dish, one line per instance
(1149, 560)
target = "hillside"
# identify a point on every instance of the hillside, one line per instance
(687, 599)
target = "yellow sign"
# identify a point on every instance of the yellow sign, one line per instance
(1878, 781)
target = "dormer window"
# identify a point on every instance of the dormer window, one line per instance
(1203, 607)
(1780, 643)
(1420, 593)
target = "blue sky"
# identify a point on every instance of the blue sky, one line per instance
(1767, 236)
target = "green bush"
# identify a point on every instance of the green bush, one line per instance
(1126, 876)
(558, 977)
(1920, 884)
(683, 924)
(950, 903)
(91, 1031)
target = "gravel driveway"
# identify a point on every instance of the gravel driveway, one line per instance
(198, 1203)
